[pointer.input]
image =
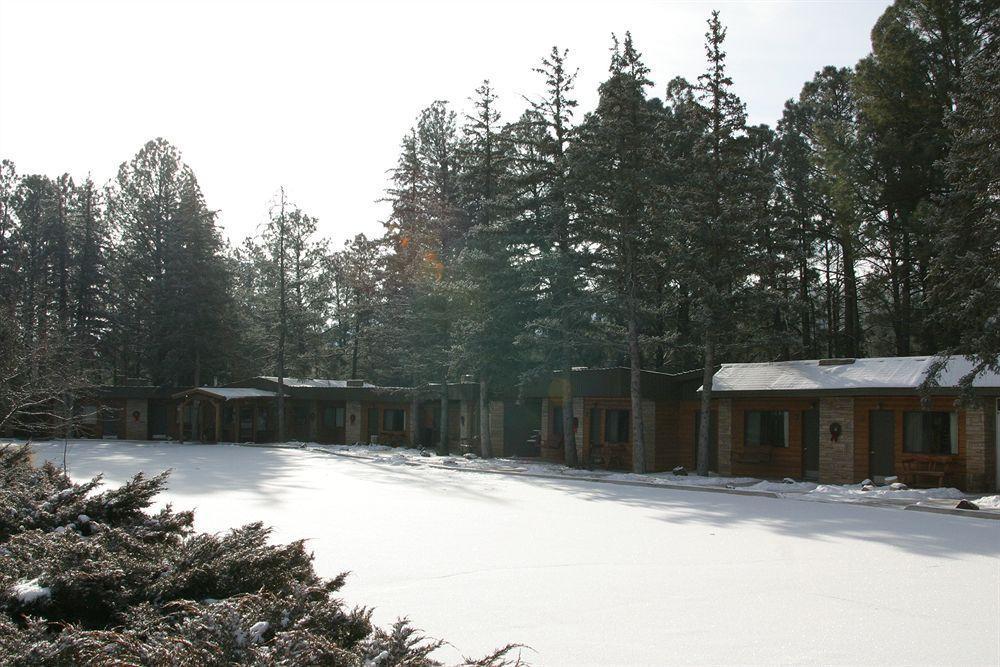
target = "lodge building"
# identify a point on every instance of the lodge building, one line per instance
(830, 420)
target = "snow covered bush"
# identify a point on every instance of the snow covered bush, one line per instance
(92, 577)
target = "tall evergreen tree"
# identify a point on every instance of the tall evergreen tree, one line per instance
(966, 297)
(171, 273)
(560, 335)
(614, 163)
(714, 220)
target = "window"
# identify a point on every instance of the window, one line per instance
(595, 426)
(616, 426)
(765, 428)
(930, 432)
(333, 417)
(394, 420)
(556, 426)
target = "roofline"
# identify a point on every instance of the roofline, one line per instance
(859, 391)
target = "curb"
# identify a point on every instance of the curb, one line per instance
(972, 514)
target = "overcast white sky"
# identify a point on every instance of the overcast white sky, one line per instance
(316, 95)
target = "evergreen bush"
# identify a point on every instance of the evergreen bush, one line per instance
(90, 576)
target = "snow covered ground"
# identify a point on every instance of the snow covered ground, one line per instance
(889, 494)
(589, 573)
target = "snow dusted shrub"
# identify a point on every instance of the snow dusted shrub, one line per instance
(92, 577)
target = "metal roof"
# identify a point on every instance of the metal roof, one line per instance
(317, 383)
(230, 393)
(844, 375)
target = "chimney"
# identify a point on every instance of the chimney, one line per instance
(835, 362)
(355, 384)
(468, 379)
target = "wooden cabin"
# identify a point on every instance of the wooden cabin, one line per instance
(845, 420)
(126, 413)
(602, 425)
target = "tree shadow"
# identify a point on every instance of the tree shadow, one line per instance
(271, 472)
(942, 536)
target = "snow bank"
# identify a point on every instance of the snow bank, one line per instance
(988, 502)
(866, 492)
(29, 592)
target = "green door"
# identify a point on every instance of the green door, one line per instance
(881, 443)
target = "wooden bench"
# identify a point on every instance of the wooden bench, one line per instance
(610, 456)
(915, 472)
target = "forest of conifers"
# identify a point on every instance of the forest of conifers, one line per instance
(657, 230)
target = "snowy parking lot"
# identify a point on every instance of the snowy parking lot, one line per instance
(590, 573)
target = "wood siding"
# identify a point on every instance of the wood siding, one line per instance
(784, 461)
(954, 464)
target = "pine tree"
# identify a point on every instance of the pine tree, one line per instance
(492, 296)
(171, 272)
(714, 225)
(614, 165)
(561, 336)
(966, 297)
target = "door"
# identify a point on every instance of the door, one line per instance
(881, 442)
(520, 427)
(331, 424)
(430, 420)
(159, 421)
(810, 444)
(246, 424)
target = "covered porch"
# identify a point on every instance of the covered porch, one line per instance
(226, 414)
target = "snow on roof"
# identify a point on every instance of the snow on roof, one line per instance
(230, 393)
(874, 373)
(314, 382)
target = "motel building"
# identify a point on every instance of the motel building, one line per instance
(833, 421)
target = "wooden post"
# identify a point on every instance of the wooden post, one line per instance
(179, 419)
(218, 421)
(236, 420)
(253, 436)
(412, 421)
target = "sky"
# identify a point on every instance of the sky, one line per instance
(316, 96)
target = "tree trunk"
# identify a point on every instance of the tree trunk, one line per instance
(443, 439)
(635, 389)
(485, 444)
(706, 405)
(569, 437)
(415, 421)
(282, 320)
(851, 322)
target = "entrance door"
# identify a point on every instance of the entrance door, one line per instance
(159, 421)
(430, 422)
(881, 442)
(246, 424)
(810, 444)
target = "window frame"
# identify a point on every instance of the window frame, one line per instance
(624, 420)
(785, 421)
(925, 416)
(384, 412)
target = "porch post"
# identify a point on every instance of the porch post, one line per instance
(412, 422)
(218, 421)
(236, 421)
(253, 435)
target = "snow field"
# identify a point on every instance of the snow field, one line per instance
(596, 574)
